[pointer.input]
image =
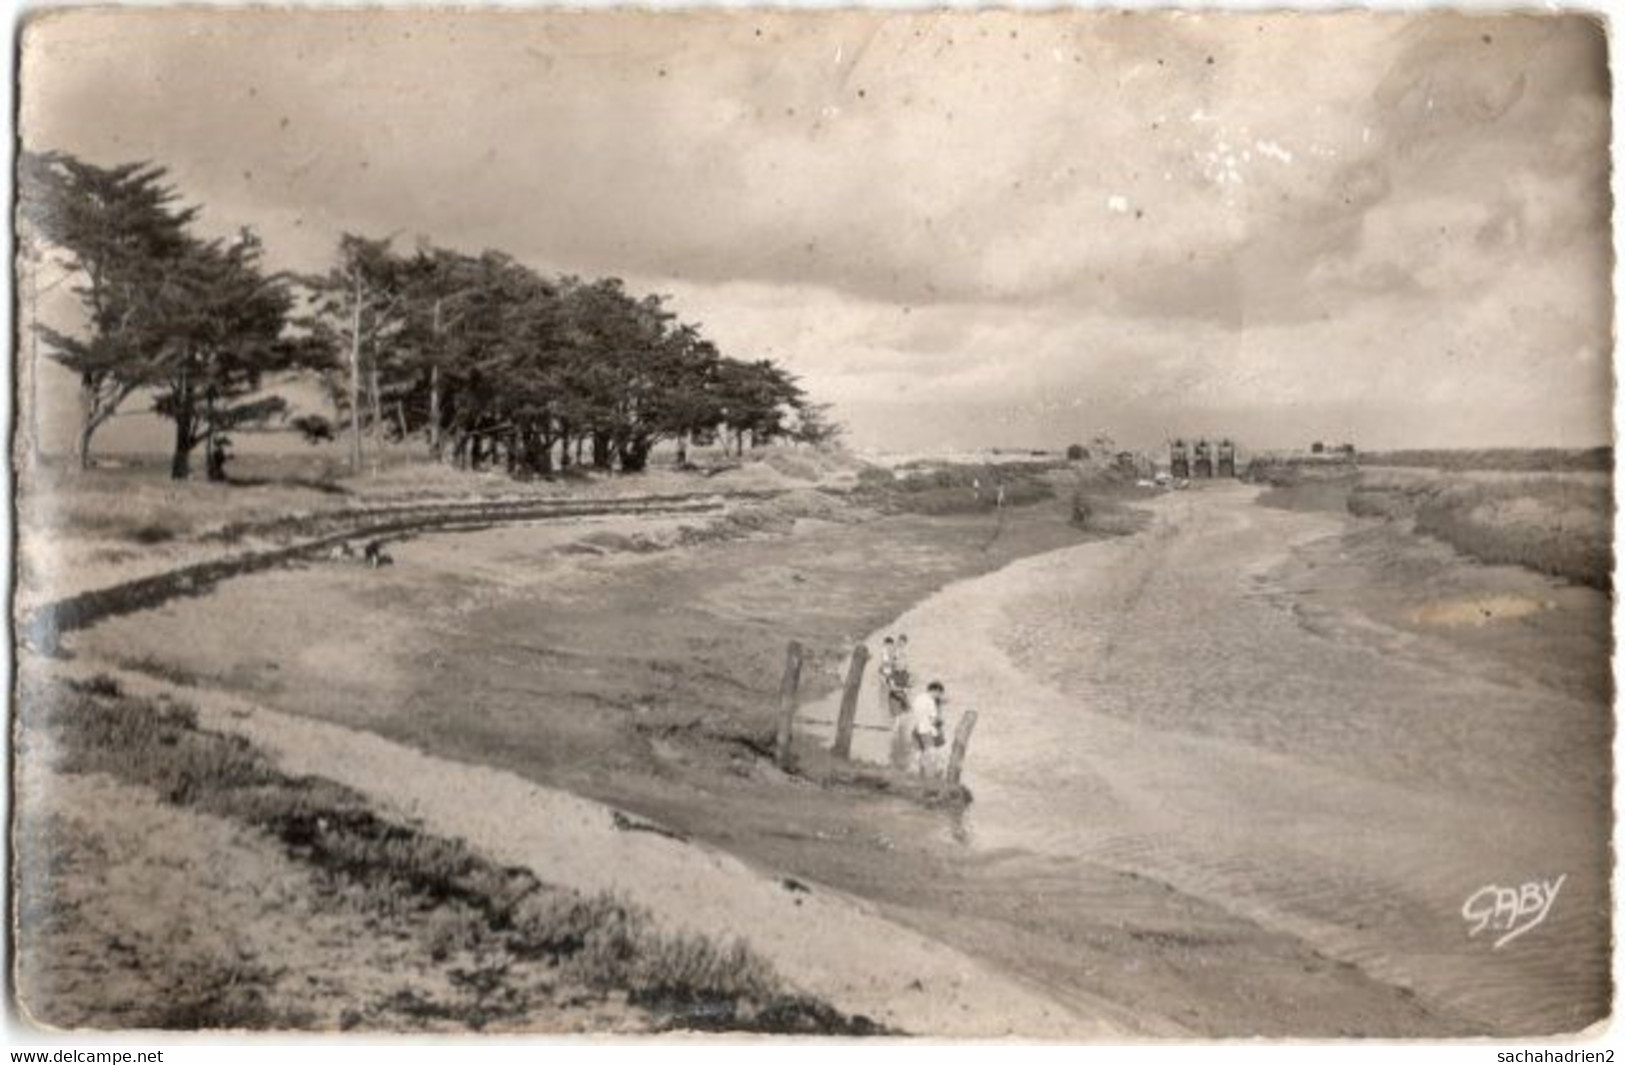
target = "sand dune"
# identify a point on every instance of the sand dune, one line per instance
(824, 942)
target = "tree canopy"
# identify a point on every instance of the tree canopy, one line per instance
(502, 363)
(481, 353)
(125, 239)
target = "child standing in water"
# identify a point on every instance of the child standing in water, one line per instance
(926, 731)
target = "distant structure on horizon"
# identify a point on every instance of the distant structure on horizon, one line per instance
(1179, 463)
(1201, 459)
(1202, 464)
(1338, 453)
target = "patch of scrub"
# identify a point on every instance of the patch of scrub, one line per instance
(290, 903)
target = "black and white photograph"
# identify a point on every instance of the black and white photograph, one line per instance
(769, 524)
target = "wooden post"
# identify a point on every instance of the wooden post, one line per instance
(956, 760)
(787, 703)
(849, 702)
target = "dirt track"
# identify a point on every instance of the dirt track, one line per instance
(42, 628)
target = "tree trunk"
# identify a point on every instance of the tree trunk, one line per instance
(87, 423)
(355, 378)
(682, 450)
(81, 445)
(400, 419)
(180, 463)
(434, 405)
(94, 410)
(374, 402)
(564, 445)
(600, 450)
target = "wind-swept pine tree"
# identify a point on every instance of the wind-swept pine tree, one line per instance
(756, 398)
(451, 301)
(357, 306)
(223, 330)
(122, 235)
(815, 425)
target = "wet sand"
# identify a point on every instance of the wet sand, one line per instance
(647, 681)
(1215, 705)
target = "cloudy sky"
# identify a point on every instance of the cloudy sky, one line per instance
(960, 228)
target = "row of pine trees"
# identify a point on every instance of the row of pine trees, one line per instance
(483, 359)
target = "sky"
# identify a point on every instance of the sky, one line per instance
(962, 229)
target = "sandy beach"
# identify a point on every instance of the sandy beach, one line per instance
(826, 943)
(268, 639)
(1213, 705)
(1172, 832)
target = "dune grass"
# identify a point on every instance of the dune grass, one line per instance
(1106, 516)
(1557, 520)
(139, 504)
(458, 900)
(955, 488)
(1303, 486)
(1528, 460)
(1556, 525)
(132, 504)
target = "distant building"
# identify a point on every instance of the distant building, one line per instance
(1202, 460)
(1179, 462)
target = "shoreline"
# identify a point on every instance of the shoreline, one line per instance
(1103, 945)
(957, 634)
(1147, 784)
(915, 985)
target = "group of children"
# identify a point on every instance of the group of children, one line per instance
(919, 732)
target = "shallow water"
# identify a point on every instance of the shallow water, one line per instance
(1158, 704)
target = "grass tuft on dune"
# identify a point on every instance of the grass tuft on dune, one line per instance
(462, 904)
(1550, 524)
(1557, 521)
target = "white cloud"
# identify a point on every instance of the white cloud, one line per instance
(925, 213)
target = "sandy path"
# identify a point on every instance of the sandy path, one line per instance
(1156, 705)
(826, 943)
